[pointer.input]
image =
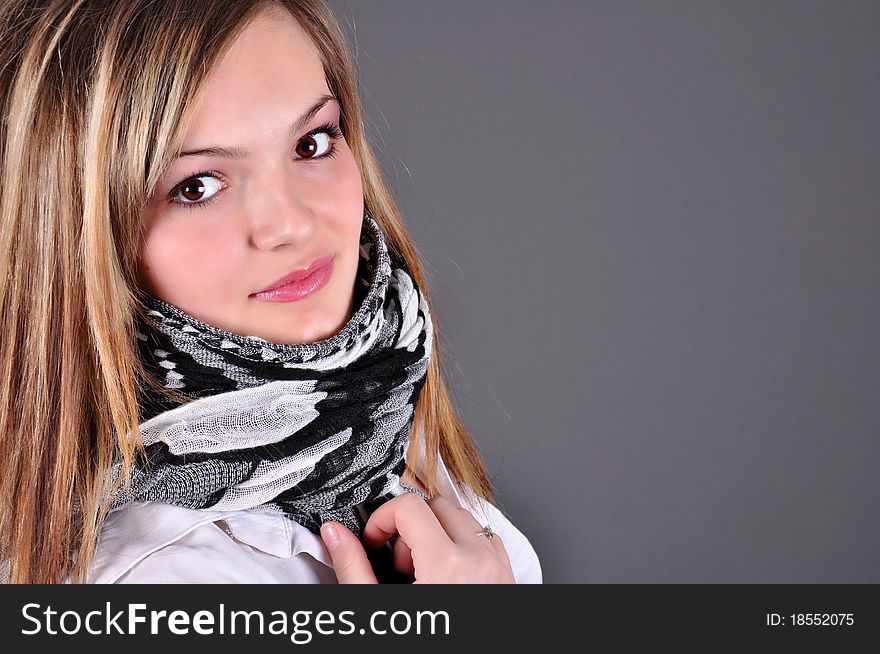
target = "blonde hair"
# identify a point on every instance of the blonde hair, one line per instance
(96, 97)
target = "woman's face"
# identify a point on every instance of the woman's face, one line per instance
(259, 198)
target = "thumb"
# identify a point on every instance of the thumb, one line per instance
(350, 562)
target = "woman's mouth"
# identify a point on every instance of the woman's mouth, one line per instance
(297, 289)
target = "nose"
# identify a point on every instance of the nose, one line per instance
(282, 218)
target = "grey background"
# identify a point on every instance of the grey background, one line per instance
(652, 233)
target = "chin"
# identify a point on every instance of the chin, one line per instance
(316, 329)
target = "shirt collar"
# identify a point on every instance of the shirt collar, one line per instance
(141, 528)
(278, 535)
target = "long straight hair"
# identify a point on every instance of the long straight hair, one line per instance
(96, 97)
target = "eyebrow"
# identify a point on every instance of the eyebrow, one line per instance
(242, 153)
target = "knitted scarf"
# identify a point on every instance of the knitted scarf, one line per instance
(317, 430)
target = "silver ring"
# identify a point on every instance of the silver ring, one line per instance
(485, 531)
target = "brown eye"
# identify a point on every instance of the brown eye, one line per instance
(197, 190)
(192, 190)
(314, 146)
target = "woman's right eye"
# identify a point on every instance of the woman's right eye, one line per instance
(191, 191)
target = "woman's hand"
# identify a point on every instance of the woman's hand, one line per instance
(436, 544)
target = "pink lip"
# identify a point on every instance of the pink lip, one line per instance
(299, 283)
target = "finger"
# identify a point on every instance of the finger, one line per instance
(501, 551)
(409, 516)
(350, 562)
(403, 558)
(463, 527)
(458, 522)
(497, 544)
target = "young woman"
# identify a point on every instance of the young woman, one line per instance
(219, 362)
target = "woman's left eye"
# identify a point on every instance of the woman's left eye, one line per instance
(313, 147)
(319, 140)
(317, 144)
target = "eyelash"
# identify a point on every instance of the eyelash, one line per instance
(330, 129)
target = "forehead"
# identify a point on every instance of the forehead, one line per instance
(270, 73)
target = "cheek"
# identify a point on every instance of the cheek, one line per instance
(178, 258)
(353, 196)
(334, 188)
(335, 193)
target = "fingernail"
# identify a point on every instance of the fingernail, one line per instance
(330, 535)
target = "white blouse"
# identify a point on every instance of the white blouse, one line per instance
(154, 542)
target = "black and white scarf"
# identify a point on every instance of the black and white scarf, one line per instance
(316, 430)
